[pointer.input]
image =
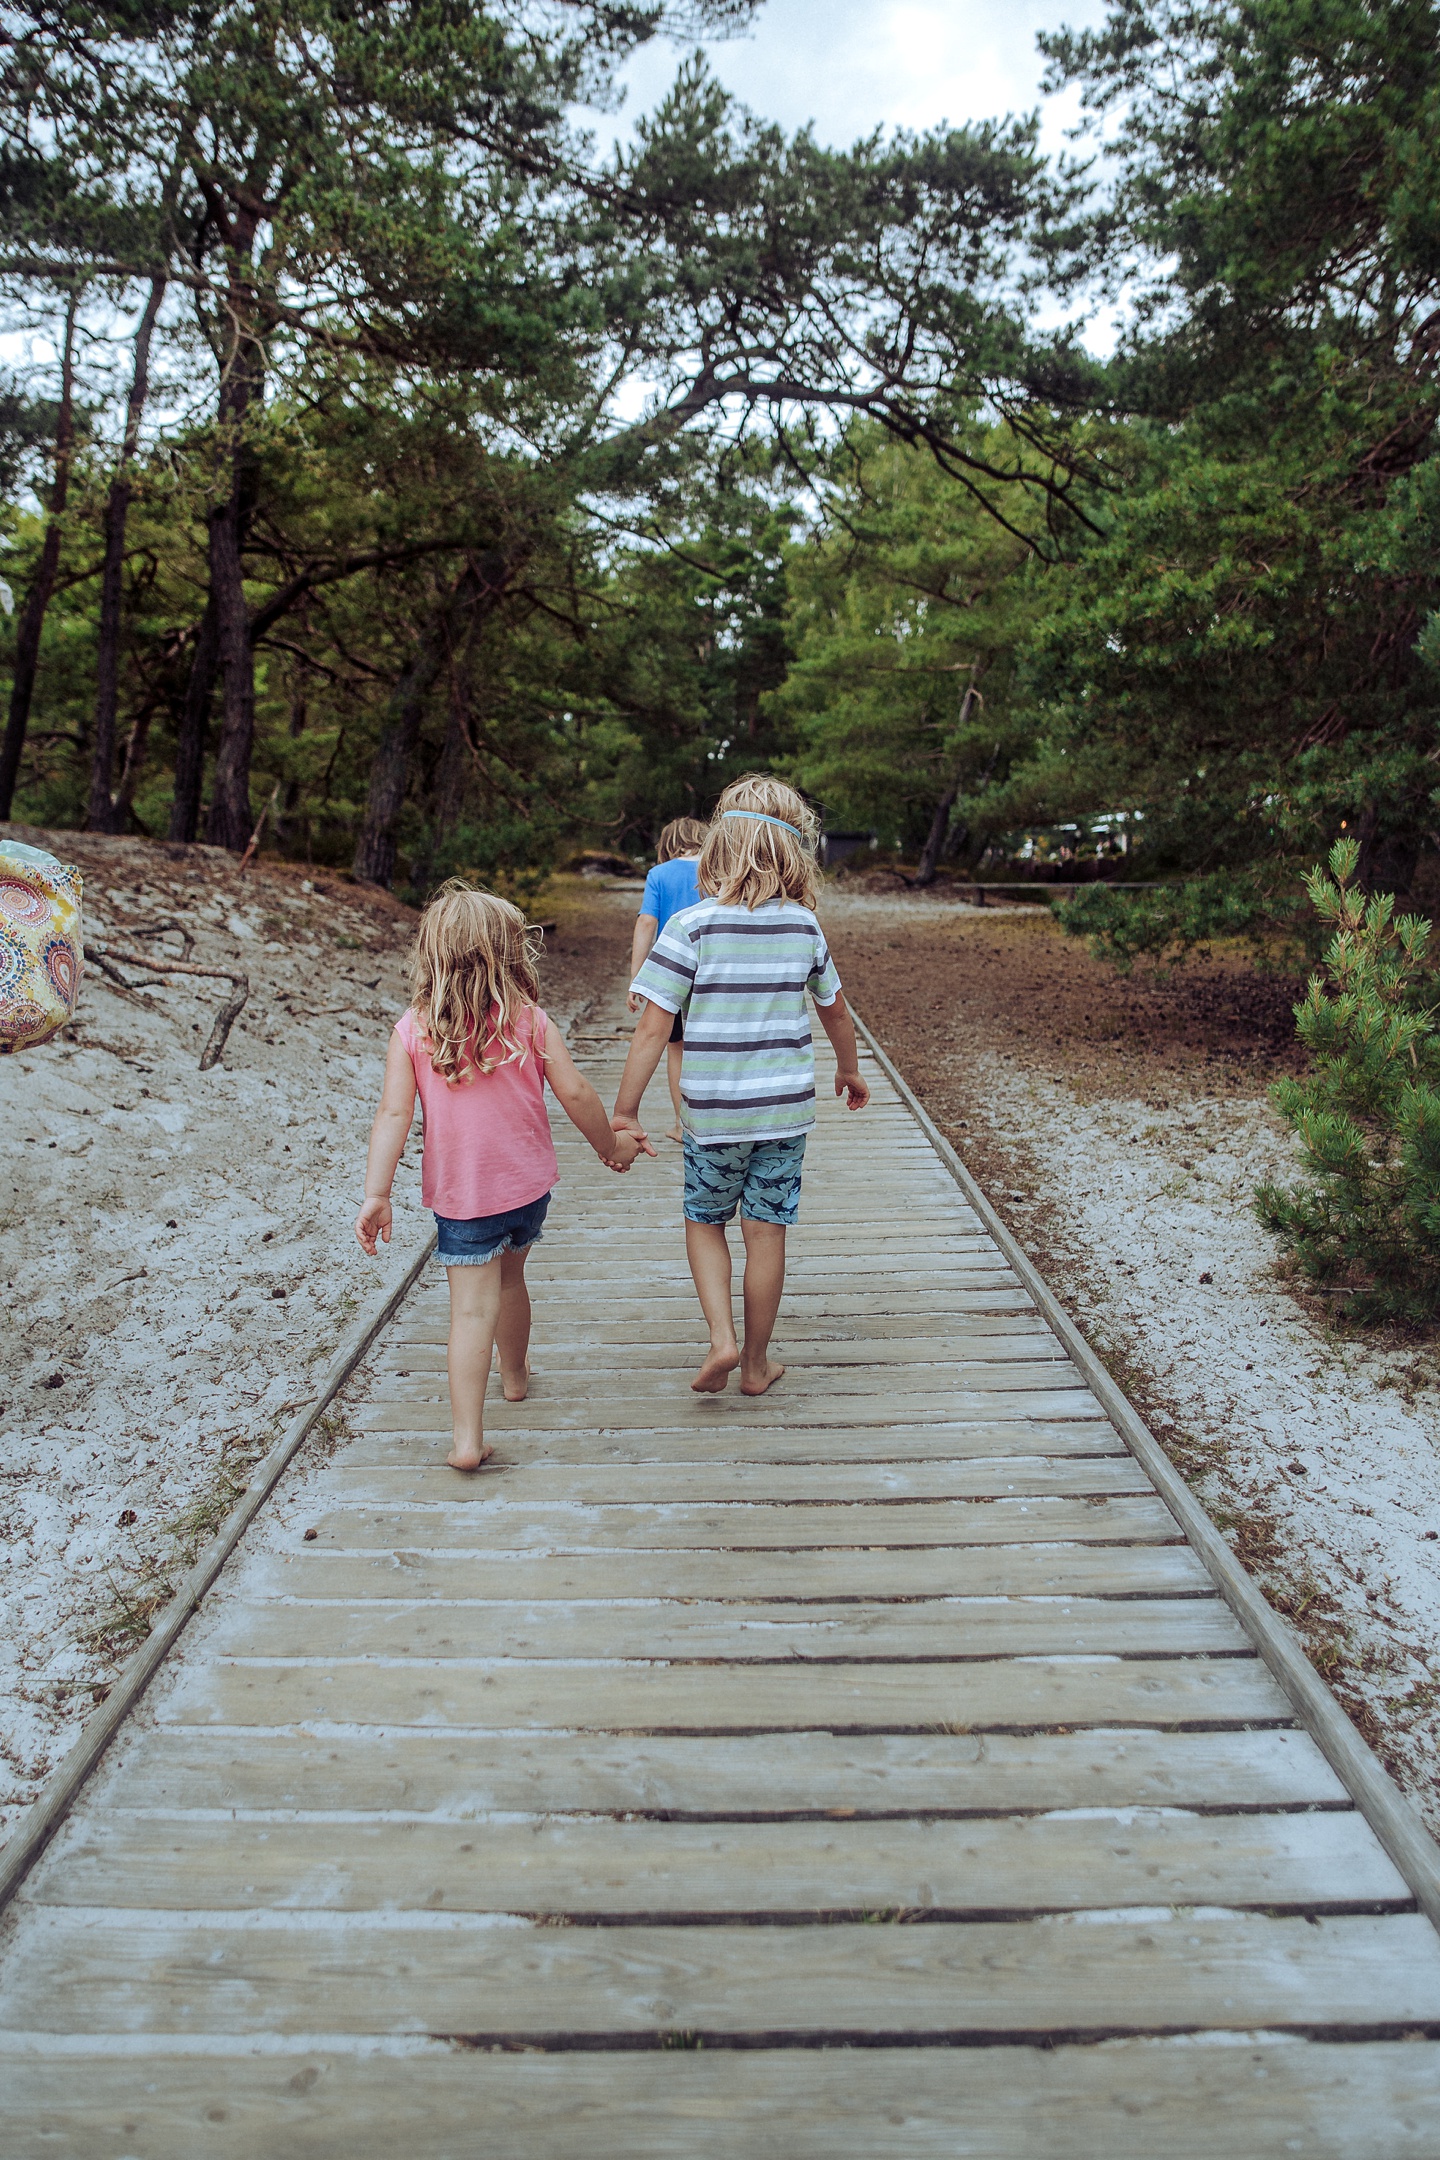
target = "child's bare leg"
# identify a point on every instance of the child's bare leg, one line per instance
(474, 1310)
(764, 1281)
(708, 1251)
(674, 1058)
(512, 1329)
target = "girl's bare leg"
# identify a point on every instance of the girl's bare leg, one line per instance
(674, 1058)
(708, 1251)
(764, 1282)
(512, 1329)
(474, 1311)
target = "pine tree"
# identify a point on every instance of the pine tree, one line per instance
(1368, 1115)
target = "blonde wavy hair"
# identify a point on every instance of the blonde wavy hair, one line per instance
(682, 836)
(472, 975)
(745, 860)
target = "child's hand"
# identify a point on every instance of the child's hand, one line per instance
(626, 1148)
(853, 1088)
(630, 1128)
(374, 1220)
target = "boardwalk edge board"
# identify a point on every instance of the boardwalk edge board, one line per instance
(1389, 1814)
(62, 1789)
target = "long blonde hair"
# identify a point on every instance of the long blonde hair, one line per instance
(472, 975)
(682, 836)
(745, 859)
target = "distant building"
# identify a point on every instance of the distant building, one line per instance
(838, 847)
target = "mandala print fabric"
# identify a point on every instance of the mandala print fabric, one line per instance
(40, 945)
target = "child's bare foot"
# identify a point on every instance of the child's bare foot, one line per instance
(715, 1372)
(469, 1460)
(517, 1386)
(757, 1383)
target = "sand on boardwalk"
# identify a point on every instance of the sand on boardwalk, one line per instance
(176, 1247)
(1120, 1127)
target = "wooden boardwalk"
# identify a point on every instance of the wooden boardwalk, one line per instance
(870, 1772)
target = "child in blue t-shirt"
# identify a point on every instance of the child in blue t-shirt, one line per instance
(669, 887)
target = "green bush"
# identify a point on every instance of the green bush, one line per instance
(1169, 922)
(1368, 1113)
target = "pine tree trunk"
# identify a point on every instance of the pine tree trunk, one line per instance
(231, 821)
(193, 728)
(940, 823)
(131, 769)
(478, 587)
(453, 770)
(935, 838)
(105, 812)
(32, 620)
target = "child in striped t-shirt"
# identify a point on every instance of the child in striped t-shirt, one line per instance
(737, 965)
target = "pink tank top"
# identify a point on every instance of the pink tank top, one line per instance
(487, 1139)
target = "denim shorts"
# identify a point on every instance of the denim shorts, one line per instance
(470, 1243)
(760, 1177)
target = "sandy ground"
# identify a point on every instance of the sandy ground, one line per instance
(1120, 1128)
(177, 1246)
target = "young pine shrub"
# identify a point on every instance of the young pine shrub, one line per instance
(1368, 1113)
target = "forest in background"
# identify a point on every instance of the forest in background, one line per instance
(454, 497)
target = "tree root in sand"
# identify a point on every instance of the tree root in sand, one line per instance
(229, 1012)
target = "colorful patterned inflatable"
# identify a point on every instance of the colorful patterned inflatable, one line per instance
(40, 944)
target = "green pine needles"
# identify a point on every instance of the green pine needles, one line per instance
(1368, 1113)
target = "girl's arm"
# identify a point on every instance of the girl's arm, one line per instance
(583, 1106)
(647, 929)
(387, 1141)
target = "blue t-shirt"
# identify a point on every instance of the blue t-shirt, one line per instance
(669, 887)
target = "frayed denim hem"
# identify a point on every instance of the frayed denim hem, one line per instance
(471, 1259)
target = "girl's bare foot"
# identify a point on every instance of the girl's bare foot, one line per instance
(716, 1370)
(750, 1385)
(457, 1461)
(518, 1388)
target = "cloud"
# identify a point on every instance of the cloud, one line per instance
(853, 65)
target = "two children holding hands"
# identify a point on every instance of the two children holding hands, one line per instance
(733, 970)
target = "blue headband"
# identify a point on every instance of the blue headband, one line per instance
(761, 818)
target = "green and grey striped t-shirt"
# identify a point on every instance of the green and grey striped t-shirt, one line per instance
(739, 975)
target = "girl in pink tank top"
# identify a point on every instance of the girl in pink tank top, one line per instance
(477, 1050)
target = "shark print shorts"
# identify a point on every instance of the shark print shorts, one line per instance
(760, 1177)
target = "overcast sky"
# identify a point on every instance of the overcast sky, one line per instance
(853, 65)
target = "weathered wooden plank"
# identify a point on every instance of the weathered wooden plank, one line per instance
(426, 1320)
(830, 1573)
(672, 1484)
(820, 1319)
(929, 1333)
(743, 1527)
(1007, 1695)
(945, 1628)
(811, 1390)
(775, 1773)
(959, 1258)
(960, 1981)
(1134, 2100)
(615, 1363)
(552, 1408)
(736, 1442)
(922, 1229)
(983, 1865)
